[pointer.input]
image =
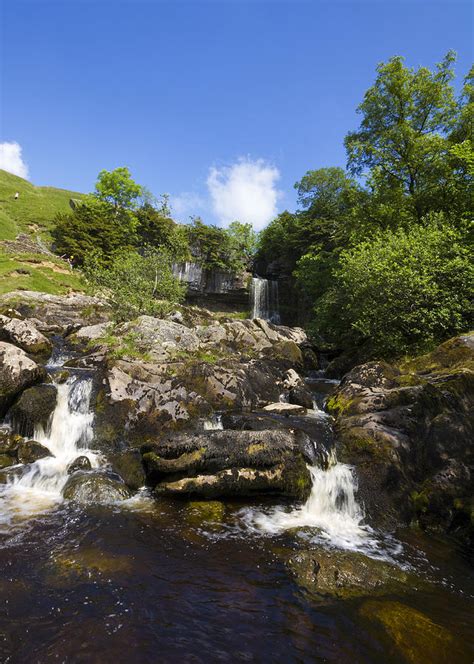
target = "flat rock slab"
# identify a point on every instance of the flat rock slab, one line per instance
(282, 408)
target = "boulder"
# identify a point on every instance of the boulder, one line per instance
(9, 442)
(229, 463)
(17, 372)
(33, 408)
(82, 463)
(345, 574)
(95, 488)
(129, 466)
(282, 408)
(161, 339)
(30, 451)
(408, 429)
(24, 334)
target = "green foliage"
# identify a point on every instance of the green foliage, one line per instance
(242, 243)
(402, 291)
(135, 284)
(117, 188)
(402, 140)
(94, 225)
(156, 229)
(120, 347)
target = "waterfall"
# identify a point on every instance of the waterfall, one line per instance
(67, 436)
(331, 509)
(264, 299)
(213, 424)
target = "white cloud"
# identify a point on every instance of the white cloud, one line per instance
(11, 159)
(186, 204)
(245, 191)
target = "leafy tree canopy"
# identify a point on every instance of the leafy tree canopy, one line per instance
(117, 188)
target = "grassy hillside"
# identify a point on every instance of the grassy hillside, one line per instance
(26, 264)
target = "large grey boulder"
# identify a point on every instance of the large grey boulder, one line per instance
(17, 371)
(92, 488)
(160, 339)
(229, 463)
(24, 334)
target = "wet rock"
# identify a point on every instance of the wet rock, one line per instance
(17, 372)
(229, 463)
(415, 637)
(9, 442)
(204, 512)
(347, 574)
(24, 334)
(30, 451)
(301, 396)
(33, 408)
(95, 488)
(81, 463)
(408, 430)
(129, 466)
(6, 460)
(281, 408)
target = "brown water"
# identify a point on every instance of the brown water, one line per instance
(162, 581)
(149, 583)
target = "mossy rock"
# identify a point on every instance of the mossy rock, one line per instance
(6, 461)
(204, 512)
(129, 466)
(414, 637)
(95, 488)
(30, 451)
(33, 408)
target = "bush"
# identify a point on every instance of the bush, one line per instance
(402, 292)
(135, 284)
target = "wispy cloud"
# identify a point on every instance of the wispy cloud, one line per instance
(11, 159)
(188, 203)
(245, 191)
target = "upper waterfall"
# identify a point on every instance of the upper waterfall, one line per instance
(264, 300)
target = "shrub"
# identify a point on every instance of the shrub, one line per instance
(403, 291)
(135, 284)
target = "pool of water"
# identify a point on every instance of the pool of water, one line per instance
(149, 581)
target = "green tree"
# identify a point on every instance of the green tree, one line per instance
(242, 245)
(210, 245)
(135, 284)
(401, 292)
(93, 225)
(402, 140)
(117, 188)
(155, 229)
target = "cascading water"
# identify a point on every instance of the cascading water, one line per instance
(67, 436)
(214, 423)
(331, 509)
(264, 299)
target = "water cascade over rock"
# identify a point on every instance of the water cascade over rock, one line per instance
(66, 436)
(264, 299)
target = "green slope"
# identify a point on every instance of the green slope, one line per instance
(22, 267)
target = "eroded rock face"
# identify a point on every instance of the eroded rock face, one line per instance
(229, 463)
(24, 334)
(57, 313)
(409, 431)
(17, 371)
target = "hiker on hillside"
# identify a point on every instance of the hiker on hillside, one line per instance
(17, 195)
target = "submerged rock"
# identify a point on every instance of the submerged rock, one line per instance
(204, 513)
(17, 371)
(33, 408)
(24, 334)
(346, 574)
(30, 451)
(229, 463)
(95, 488)
(416, 638)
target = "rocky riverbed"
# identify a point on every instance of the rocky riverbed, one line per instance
(159, 447)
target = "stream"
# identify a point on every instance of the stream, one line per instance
(153, 580)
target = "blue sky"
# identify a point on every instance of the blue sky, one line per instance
(223, 104)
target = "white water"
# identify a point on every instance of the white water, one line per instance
(331, 509)
(67, 436)
(264, 299)
(213, 424)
